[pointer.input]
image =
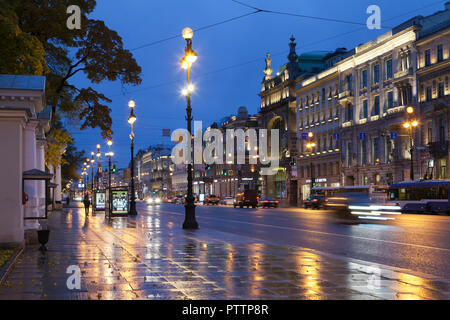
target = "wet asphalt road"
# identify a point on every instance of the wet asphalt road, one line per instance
(418, 243)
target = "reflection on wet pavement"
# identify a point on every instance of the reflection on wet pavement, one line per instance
(151, 257)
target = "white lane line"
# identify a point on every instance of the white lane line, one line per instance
(318, 232)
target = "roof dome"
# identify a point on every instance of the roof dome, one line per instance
(242, 112)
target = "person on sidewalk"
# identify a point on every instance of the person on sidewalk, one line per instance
(87, 203)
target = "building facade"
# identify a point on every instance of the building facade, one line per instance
(434, 104)
(278, 111)
(24, 122)
(230, 178)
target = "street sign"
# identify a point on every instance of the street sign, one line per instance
(305, 136)
(394, 135)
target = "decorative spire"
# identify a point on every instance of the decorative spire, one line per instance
(268, 70)
(292, 54)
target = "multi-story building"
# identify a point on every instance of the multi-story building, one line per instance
(230, 178)
(376, 147)
(154, 168)
(278, 111)
(179, 179)
(318, 122)
(434, 102)
(368, 143)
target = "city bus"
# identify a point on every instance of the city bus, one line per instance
(377, 193)
(430, 196)
(369, 202)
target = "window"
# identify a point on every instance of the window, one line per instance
(443, 169)
(427, 57)
(364, 79)
(388, 69)
(363, 152)
(441, 92)
(429, 93)
(390, 99)
(376, 73)
(348, 153)
(375, 154)
(349, 113)
(323, 94)
(350, 82)
(376, 105)
(387, 150)
(440, 53)
(442, 135)
(430, 132)
(365, 109)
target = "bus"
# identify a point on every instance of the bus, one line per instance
(369, 202)
(431, 196)
(376, 192)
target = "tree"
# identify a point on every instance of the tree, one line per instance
(95, 50)
(72, 159)
(34, 39)
(20, 52)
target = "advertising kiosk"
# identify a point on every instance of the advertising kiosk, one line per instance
(119, 202)
(99, 200)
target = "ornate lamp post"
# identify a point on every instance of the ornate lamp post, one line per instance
(410, 124)
(109, 155)
(189, 58)
(98, 154)
(92, 173)
(310, 145)
(131, 121)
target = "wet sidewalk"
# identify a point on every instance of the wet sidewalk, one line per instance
(151, 257)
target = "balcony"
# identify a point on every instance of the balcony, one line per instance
(346, 97)
(404, 76)
(438, 149)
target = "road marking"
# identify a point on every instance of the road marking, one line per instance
(318, 232)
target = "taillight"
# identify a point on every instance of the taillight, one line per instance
(243, 198)
(276, 201)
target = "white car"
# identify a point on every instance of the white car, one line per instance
(153, 201)
(227, 201)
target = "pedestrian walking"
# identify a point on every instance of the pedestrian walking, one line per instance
(87, 203)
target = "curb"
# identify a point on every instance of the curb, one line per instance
(6, 269)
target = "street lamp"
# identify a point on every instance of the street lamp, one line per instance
(310, 145)
(410, 124)
(131, 121)
(109, 154)
(189, 58)
(98, 154)
(92, 173)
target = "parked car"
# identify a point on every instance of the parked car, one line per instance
(211, 199)
(249, 198)
(228, 201)
(314, 202)
(268, 202)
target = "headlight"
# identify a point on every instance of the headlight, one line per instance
(150, 200)
(158, 200)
